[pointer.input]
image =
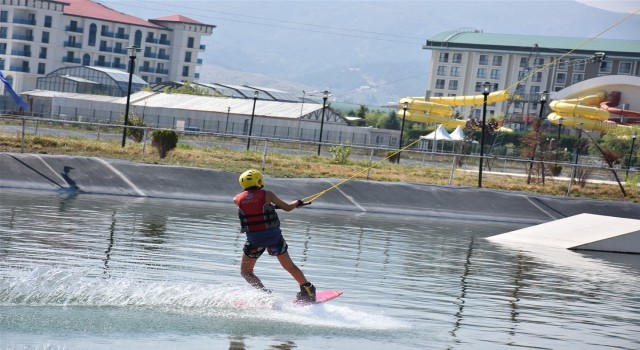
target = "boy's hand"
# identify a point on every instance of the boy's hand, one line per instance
(301, 203)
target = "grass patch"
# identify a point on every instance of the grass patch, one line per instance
(304, 166)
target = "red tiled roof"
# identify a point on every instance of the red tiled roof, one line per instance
(176, 18)
(90, 9)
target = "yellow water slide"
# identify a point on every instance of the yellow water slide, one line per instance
(440, 110)
(583, 111)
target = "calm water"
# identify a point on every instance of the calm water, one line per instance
(93, 272)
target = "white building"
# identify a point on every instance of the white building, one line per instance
(462, 61)
(39, 36)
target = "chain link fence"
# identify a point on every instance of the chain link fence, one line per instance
(588, 168)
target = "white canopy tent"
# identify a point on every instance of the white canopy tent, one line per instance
(457, 134)
(439, 134)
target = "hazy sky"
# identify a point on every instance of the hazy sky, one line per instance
(365, 50)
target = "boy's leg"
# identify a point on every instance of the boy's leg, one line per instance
(246, 270)
(290, 266)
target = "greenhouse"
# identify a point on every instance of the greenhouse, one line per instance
(91, 80)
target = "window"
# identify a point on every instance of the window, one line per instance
(578, 66)
(45, 37)
(521, 75)
(442, 70)
(455, 71)
(47, 21)
(536, 77)
(497, 60)
(479, 87)
(41, 68)
(625, 68)
(190, 42)
(4, 16)
(93, 32)
(185, 71)
(3, 50)
(605, 67)
(457, 58)
(86, 60)
(534, 90)
(3, 32)
(495, 74)
(453, 85)
(116, 62)
(438, 94)
(187, 56)
(137, 42)
(561, 78)
(73, 26)
(562, 65)
(482, 73)
(577, 77)
(523, 62)
(43, 53)
(484, 60)
(539, 62)
(439, 83)
(444, 57)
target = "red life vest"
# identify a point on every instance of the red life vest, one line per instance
(254, 211)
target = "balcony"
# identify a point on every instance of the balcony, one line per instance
(23, 37)
(150, 55)
(107, 33)
(105, 49)
(120, 51)
(151, 40)
(75, 45)
(119, 65)
(74, 29)
(164, 57)
(102, 63)
(165, 42)
(67, 59)
(23, 53)
(122, 36)
(22, 69)
(162, 71)
(147, 69)
(31, 22)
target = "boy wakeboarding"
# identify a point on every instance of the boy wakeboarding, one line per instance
(259, 220)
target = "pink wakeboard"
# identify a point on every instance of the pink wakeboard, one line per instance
(321, 297)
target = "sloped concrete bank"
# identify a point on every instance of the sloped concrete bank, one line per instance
(88, 175)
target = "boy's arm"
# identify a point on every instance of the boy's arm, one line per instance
(273, 198)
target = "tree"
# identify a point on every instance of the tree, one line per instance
(164, 141)
(392, 122)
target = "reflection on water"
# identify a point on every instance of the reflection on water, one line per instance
(103, 272)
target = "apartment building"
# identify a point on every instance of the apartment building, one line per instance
(462, 61)
(40, 36)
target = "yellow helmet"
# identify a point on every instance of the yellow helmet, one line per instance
(251, 178)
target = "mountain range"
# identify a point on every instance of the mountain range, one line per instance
(365, 52)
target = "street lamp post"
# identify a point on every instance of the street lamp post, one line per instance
(405, 106)
(253, 114)
(560, 121)
(227, 122)
(633, 141)
(324, 104)
(485, 92)
(132, 57)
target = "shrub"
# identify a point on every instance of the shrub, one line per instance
(135, 134)
(164, 141)
(341, 153)
(556, 169)
(392, 156)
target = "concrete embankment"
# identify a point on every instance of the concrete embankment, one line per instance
(115, 177)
